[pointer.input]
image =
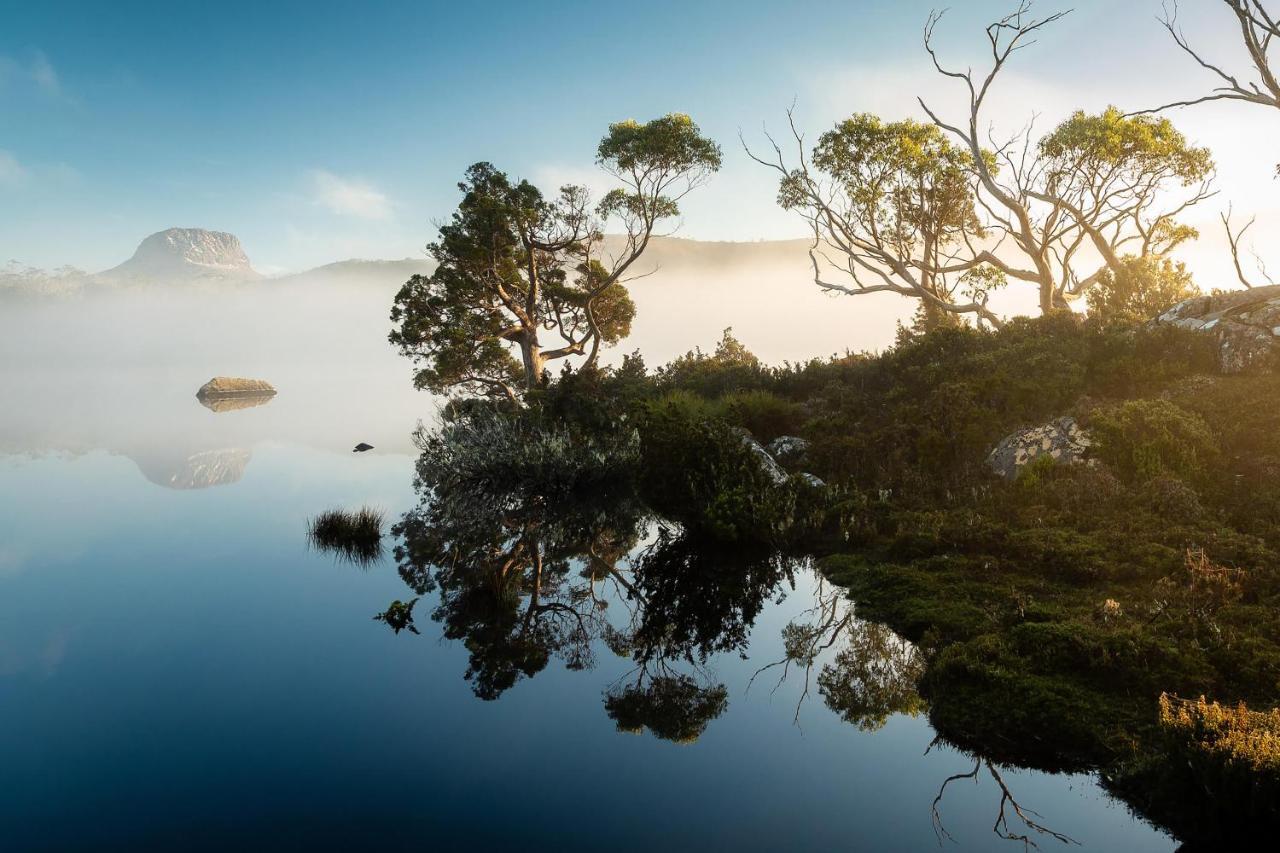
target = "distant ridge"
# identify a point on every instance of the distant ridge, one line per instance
(363, 270)
(178, 256)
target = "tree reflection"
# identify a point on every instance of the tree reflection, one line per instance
(871, 676)
(672, 706)
(521, 580)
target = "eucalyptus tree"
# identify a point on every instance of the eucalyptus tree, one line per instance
(891, 207)
(1258, 28)
(943, 214)
(1069, 206)
(515, 264)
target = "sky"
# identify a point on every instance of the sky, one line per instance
(321, 131)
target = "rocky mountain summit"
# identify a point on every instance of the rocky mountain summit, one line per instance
(185, 254)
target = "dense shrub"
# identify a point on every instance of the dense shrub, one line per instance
(1142, 439)
(763, 414)
(1142, 288)
(697, 469)
(483, 452)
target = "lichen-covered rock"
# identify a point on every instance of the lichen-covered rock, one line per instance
(230, 386)
(1246, 324)
(787, 448)
(1062, 440)
(811, 480)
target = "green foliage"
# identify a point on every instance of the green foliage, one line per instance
(1133, 144)
(672, 142)
(458, 323)
(766, 416)
(514, 265)
(483, 453)
(1141, 289)
(699, 470)
(1142, 439)
(730, 367)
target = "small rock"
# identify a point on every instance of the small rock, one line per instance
(811, 479)
(361, 447)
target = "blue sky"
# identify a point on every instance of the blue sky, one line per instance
(319, 131)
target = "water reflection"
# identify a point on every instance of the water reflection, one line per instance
(236, 403)
(871, 676)
(176, 468)
(521, 580)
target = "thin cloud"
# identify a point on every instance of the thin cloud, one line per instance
(44, 75)
(37, 70)
(11, 171)
(349, 196)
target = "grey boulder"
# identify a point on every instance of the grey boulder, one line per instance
(1062, 440)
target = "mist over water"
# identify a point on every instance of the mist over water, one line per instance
(173, 653)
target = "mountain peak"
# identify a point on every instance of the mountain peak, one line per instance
(187, 253)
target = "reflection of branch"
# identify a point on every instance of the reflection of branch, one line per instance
(809, 641)
(1030, 819)
(1001, 827)
(938, 829)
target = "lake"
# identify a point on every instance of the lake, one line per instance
(180, 669)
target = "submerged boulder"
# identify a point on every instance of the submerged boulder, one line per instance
(1246, 324)
(221, 387)
(1062, 440)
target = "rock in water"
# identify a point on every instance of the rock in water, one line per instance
(1062, 441)
(1245, 322)
(361, 447)
(184, 254)
(228, 387)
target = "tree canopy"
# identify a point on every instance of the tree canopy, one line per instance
(945, 213)
(514, 264)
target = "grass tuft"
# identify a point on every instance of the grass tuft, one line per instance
(353, 535)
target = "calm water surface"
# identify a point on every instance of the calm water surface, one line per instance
(179, 670)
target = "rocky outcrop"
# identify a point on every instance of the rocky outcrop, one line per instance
(788, 448)
(1062, 440)
(1246, 324)
(184, 254)
(231, 388)
(767, 463)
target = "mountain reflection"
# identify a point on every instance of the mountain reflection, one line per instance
(201, 469)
